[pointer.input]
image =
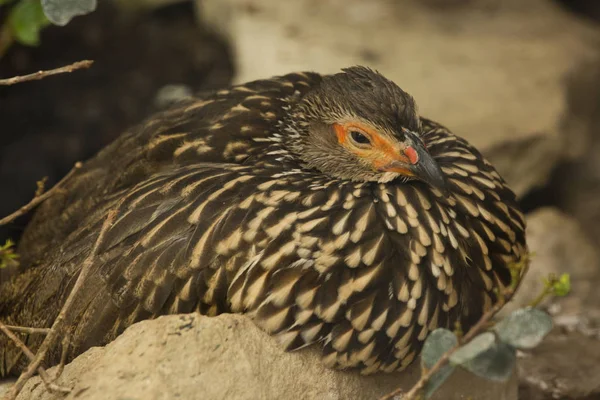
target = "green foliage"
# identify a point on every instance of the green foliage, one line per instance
(60, 12)
(26, 18)
(524, 328)
(518, 270)
(438, 342)
(560, 286)
(487, 357)
(8, 256)
(25, 21)
(473, 349)
(494, 362)
(492, 354)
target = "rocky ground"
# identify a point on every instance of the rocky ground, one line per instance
(227, 357)
(519, 79)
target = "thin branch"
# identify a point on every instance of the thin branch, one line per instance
(480, 326)
(27, 330)
(541, 297)
(42, 74)
(57, 326)
(39, 198)
(63, 355)
(52, 387)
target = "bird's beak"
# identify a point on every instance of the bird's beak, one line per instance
(417, 162)
(427, 169)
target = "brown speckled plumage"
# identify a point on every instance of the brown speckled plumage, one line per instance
(226, 204)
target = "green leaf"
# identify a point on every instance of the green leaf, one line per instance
(562, 286)
(524, 328)
(496, 363)
(438, 342)
(3, 2)
(60, 12)
(8, 257)
(26, 20)
(480, 344)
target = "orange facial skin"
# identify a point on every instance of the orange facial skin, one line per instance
(384, 153)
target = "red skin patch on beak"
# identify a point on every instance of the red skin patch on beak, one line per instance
(411, 154)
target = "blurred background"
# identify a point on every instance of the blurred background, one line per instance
(520, 79)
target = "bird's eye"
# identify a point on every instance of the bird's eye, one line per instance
(359, 137)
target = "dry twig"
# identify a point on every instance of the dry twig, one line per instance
(57, 326)
(27, 330)
(63, 355)
(42, 74)
(51, 333)
(50, 385)
(39, 197)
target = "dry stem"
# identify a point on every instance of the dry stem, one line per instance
(50, 385)
(63, 355)
(57, 326)
(42, 74)
(27, 330)
(39, 198)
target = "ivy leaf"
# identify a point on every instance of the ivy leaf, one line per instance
(26, 20)
(480, 344)
(524, 328)
(61, 12)
(495, 363)
(438, 342)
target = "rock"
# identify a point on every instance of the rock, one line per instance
(559, 245)
(564, 366)
(492, 71)
(577, 184)
(5, 384)
(579, 188)
(228, 357)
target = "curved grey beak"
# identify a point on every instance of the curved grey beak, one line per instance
(427, 169)
(418, 163)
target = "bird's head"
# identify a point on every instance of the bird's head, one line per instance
(360, 126)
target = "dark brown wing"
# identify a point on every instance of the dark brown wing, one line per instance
(224, 126)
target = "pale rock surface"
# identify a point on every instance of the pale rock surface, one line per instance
(5, 384)
(228, 357)
(558, 245)
(564, 366)
(494, 72)
(578, 184)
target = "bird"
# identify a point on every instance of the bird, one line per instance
(322, 206)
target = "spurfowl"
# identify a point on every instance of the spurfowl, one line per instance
(323, 207)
